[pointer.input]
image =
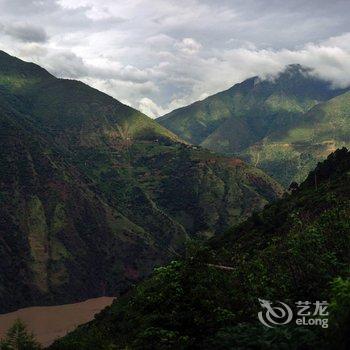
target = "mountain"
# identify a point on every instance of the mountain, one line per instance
(94, 194)
(59, 240)
(288, 156)
(261, 121)
(297, 249)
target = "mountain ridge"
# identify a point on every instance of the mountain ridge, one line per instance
(78, 167)
(237, 120)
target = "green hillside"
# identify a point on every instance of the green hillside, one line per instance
(94, 194)
(296, 249)
(60, 240)
(247, 119)
(290, 155)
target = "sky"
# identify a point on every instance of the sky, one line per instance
(159, 55)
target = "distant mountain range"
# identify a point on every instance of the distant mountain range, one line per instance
(283, 125)
(94, 194)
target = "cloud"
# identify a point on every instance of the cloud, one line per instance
(25, 32)
(160, 41)
(27, 7)
(150, 108)
(158, 55)
(188, 46)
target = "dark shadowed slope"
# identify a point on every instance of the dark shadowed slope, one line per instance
(59, 239)
(297, 249)
(94, 194)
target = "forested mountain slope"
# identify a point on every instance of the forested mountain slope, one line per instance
(90, 187)
(297, 249)
(268, 122)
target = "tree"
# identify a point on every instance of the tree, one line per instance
(18, 338)
(340, 314)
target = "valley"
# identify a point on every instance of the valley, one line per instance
(294, 249)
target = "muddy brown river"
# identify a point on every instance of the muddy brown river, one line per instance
(51, 322)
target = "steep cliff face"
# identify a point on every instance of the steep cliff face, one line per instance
(60, 240)
(94, 194)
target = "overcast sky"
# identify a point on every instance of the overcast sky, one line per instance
(157, 55)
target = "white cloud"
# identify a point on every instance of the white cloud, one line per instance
(150, 108)
(160, 40)
(188, 46)
(158, 55)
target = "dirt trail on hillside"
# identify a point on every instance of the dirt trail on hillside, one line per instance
(51, 322)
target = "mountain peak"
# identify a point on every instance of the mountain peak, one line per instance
(297, 68)
(251, 118)
(295, 71)
(74, 106)
(95, 194)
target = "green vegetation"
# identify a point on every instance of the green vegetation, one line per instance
(283, 126)
(18, 338)
(289, 156)
(295, 249)
(95, 194)
(38, 241)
